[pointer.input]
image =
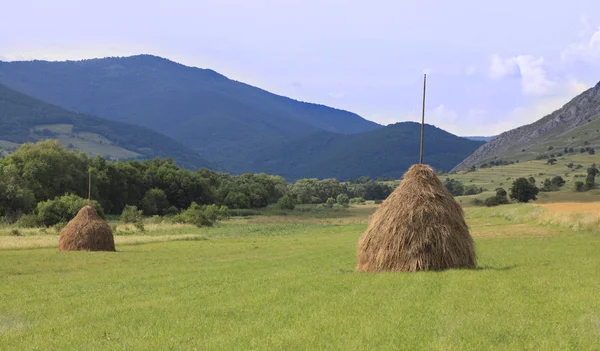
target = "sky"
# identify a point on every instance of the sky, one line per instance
(491, 66)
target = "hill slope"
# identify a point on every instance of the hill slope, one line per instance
(25, 119)
(575, 125)
(204, 110)
(387, 152)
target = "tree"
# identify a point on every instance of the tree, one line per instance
(286, 202)
(154, 202)
(522, 190)
(590, 180)
(63, 209)
(455, 187)
(558, 181)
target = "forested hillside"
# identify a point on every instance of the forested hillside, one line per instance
(25, 119)
(201, 108)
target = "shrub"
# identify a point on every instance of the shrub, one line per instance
(28, 221)
(357, 200)
(342, 200)
(59, 226)
(203, 216)
(15, 232)
(329, 203)
(580, 186)
(455, 187)
(171, 211)
(139, 226)
(477, 202)
(472, 190)
(286, 202)
(492, 201)
(131, 214)
(63, 209)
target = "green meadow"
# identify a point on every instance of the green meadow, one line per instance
(287, 282)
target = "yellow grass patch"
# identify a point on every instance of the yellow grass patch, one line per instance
(570, 207)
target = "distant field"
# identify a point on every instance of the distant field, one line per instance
(91, 143)
(287, 282)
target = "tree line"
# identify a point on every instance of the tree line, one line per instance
(37, 173)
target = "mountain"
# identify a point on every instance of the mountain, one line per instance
(25, 119)
(219, 117)
(576, 125)
(388, 152)
(480, 138)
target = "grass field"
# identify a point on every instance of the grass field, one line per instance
(287, 282)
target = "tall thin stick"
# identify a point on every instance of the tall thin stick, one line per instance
(89, 187)
(423, 119)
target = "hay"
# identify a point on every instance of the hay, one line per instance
(86, 232)
(419, 227)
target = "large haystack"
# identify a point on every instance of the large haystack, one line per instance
(419, 227)
(86, 232)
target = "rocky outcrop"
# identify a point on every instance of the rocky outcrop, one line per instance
(575, 113)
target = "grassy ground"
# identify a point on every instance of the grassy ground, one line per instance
(287, 282)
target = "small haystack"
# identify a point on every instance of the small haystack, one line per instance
(86, 232)
(419, 227)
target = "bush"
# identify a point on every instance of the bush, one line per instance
(477, 202)
(357, 200)
(203, 216)
(139, 226)
(63, 209)
(171, 211)
(455, 187)
(472, 190)
(28, 221)
(286, 203)
(580, 186)
(343, 200)
(15, 232)
(329, 203)
(131, 214)
(59, 226)
(492, 201)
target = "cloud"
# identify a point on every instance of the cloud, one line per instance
(586, 51)
(534, 80)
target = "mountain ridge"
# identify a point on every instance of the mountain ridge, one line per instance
(575, 113)
(27, 119)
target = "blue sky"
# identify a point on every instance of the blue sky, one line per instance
(491, 66)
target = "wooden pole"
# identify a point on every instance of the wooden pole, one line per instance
(89, 187)
(423, 119)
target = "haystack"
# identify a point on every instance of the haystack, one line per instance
(86, 232)
(419, 227)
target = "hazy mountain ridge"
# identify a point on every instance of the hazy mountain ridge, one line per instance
(387, 152)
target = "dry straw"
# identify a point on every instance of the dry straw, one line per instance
(86, 232)
(419, 227)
